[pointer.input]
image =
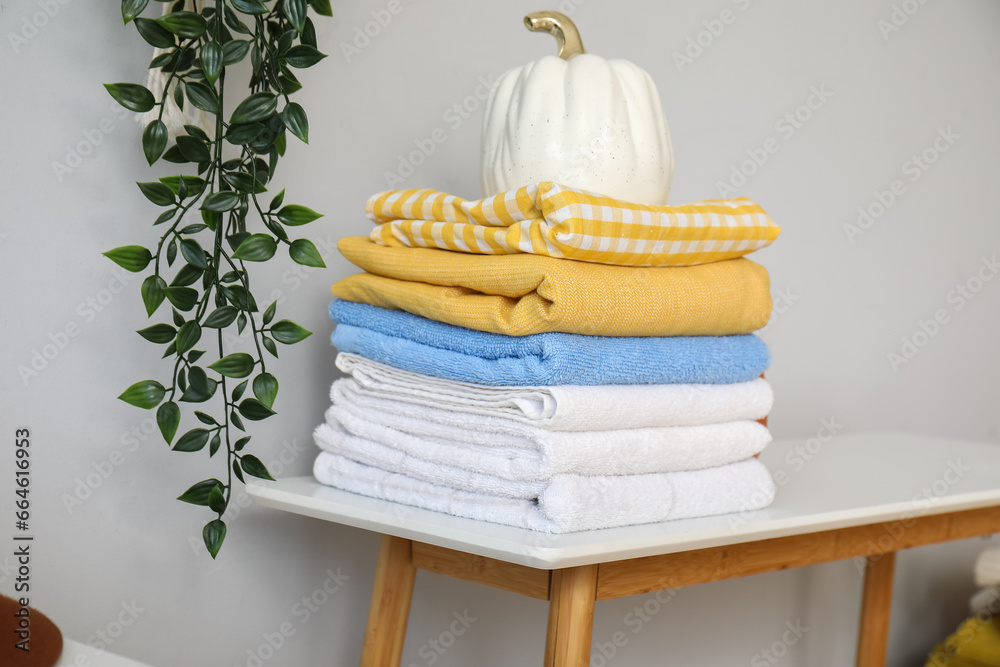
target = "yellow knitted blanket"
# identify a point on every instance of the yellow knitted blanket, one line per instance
(976, 643)
(557, 221)
(527, 294)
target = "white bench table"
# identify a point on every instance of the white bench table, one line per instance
(857, 496)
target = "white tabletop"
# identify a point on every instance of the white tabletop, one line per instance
(851, 480)
(76, 654)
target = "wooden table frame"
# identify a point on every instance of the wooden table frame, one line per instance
(572, 591)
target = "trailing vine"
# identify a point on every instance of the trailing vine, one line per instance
(234, 160)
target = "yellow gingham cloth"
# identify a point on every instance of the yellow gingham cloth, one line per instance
(557, 221)
(527, 294)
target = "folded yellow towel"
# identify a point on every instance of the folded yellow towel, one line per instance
(554, 220)
(527, 294)
(976, 643)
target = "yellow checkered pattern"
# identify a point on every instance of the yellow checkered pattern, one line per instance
(556, 221)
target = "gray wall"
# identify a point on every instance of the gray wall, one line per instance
(847, 298)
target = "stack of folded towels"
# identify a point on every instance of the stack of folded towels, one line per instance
(552, 359)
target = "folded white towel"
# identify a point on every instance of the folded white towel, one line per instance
(988, 568)
(569, 407)
(985, 601)
(408, 438)
(570, 502)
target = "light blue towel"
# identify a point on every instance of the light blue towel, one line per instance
(425, 346)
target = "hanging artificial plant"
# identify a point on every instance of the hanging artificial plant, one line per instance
(215, 220)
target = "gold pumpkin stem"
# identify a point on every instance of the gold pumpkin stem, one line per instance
(559, 26)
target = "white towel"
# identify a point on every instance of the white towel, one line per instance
(987, 568)
(570, 502)
(569, 407)
(410, 436)
(985, 601)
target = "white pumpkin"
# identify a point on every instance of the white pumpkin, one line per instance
(579, 120)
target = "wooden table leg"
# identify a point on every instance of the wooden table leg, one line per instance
(571, 616)
(390, 607)
(876, 605)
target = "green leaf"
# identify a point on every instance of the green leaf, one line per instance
(155, 34)
(154, 141)
(188, 336)
(131, 96)
(256, 107)
(185, 24)
(245, 133)
(295, 11)
(178, 318)
(192, 441)
(276, 202)
(256, 248)
(193, 253)
(253, 466)
(152, 293)
(132, 8)
(236, 467)
(302, 251)
(221, 317)
(239, 297)
(216, 497)
(214, 533)
(193, 149)
(240, 389)
(193, 184)
(211, 61)
(157, 193)
(173, 154)
(250, 6)
(235, 365)
(235, 23)
(202, 96)
(158, 333)
(270, 346)
(265, 388)
(303, 56)
(235, 51)
(195, 355)
(269, 313)
(241, 323)
(198, 494)
(241, 443)
(309, 34)
(243, 182)
(220, 201)
(166, 215)
(168, 418)
(294, 215)
(254, 410)
(322, 7)
(188, 275)
(133, 258)
(146, 394)
(205, 418)
(289, 332)
(234, 417)
(183, 298)
(295, 120)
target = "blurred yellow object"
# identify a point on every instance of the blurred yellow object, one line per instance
(976, 643)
